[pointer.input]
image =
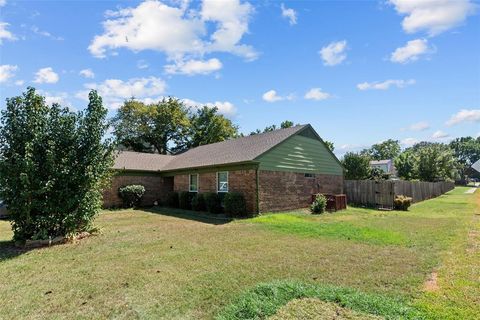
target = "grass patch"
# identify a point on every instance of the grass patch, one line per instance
(266, 299)
(306, 226)
(171, 264)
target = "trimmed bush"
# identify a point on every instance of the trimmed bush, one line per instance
(131, 195)
(172, 200)
(185, 200)
(235, 205)
(402, 203)
(198, 202)
(319, 204)
(212, 202)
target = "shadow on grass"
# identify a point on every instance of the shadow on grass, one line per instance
(8, 250)
(216, 219)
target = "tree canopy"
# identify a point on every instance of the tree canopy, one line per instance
(385, 150)
(169, 127)
(54, 164)
(357, 166)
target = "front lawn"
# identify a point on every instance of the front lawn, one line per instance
(146, 264)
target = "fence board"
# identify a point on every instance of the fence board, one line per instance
(382, 193)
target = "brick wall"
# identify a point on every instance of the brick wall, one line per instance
(242, 181)
(156, 188)
(289, 190)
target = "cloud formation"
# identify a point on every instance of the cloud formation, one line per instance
(46, 75)
(193, 67)
(7, 71)
(464, 115)
(316, 94)
(433, 16)
(289, 14)
(411, 51)
(334, 53)
(385, 84)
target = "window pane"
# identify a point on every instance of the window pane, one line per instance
(222, 182)
(193, 182)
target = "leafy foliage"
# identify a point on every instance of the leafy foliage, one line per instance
(198, 202)
(131, 195)
(378, 174)
(208, 126)
(319, 204)
(235, 204)
(330, 145)
(162, 127)
(357, 166)
(285, 124)
(405, 165)
(213, 202)
(467, 152)
(185, 200)
(172, 200)
(402, 202)
(385, 150)
(54, 164)
(435, 162)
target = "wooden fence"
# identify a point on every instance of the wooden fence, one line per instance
(380, 194)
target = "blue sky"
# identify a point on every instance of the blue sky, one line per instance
(359, 71)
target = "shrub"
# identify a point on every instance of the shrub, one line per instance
(131, 195)
(185, 200)
(172, 200)
(402, 202)
(212, 202)
(54, 164)
(319, 204)
(198, 202)
(235, 205)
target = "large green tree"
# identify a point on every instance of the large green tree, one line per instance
(54, 164)
(161, 127)
(435, 162)
(385, 150)
(357, 166)
(467, 152)
(208, 126)
(405, 165)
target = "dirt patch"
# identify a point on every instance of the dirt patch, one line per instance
(431, 284)
(315, 309)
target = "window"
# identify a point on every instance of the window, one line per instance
(222, 181)
(309, 175)
(193, 183)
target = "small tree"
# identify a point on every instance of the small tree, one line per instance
(405, 165)
(357, 166)
(54, 164)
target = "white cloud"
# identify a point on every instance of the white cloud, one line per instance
(419, 126)
(464, 115)
(46, 75)
(114, 91)
(142, 64)
(192, 67)
(411, 51)
(4, 33)
(87, 73)
(316, 94)
(3, 2)
(7, 71)
(225, 107)
(334, 53)
(183, 33)
(385, 84)
(408, 142)
(19, 82)
(440, 135)
(46, 34)
(289, 14)
(433, 16)
(272, 96)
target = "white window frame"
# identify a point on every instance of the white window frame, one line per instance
(218, 182)
(190, 182)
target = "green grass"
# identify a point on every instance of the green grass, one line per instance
(172, 265)
(266, 299)
(311, 227)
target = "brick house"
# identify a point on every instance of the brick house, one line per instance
(275, 171)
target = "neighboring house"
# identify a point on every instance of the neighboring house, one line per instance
(278, 170)
(384, 165)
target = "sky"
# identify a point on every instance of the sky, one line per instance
(359, 72)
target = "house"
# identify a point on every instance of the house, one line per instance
(384, 165)
(278, 170)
